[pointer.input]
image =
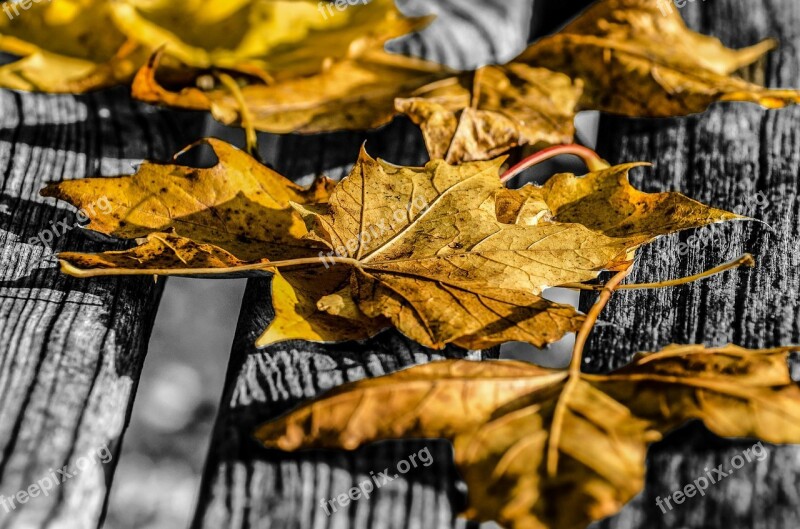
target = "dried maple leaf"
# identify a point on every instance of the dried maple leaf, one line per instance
(440, 251)
(352, 92)
(446, 268)
(297, 77)
(638, 61)
(481, 115)
(427, 251)
(506, 419)
(229, 220)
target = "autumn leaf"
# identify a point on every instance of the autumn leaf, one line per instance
(354, 92)
(439, 252)
(81, 45)
(483, 114)
(605, 201)
(636, 60)
(62, 50)
(278, 38)
(427, 252)
(445, 266)
(238, 205)
(315, 74)
(501, 418)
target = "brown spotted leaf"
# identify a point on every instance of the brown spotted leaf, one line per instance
(238, 204)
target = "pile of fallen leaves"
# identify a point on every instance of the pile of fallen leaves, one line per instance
(445, 253)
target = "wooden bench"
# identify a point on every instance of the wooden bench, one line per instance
(71, 350)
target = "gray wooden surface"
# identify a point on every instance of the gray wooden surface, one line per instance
(735, 156)
(70, 350)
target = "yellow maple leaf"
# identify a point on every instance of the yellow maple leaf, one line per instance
(443, 253)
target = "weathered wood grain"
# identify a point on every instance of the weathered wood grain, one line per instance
(467, 34)
(245, 486)
(70, 350)
(735, 156)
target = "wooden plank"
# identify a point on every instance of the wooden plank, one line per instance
(467, 34)
(245, 486)
(70, 350)
(740, 157)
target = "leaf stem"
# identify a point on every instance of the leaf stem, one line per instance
(314, 260)
(591, 319)
(574, 373)
(743, 260)
(251, 138)
(70, 269)
(589, 157)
